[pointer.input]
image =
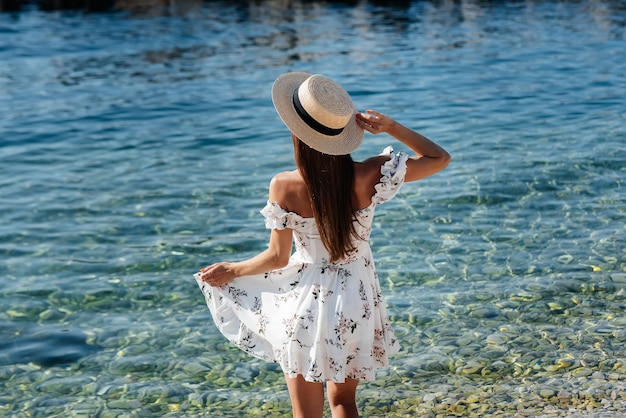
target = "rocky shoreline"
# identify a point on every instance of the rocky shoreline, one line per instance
(597, 395)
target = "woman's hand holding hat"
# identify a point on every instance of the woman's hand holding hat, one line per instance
(374, 122)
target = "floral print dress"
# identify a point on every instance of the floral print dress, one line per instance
(325, 321)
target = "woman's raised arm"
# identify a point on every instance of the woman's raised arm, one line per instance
(430, 157)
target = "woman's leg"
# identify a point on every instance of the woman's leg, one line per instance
(342, 398)
(307, 398)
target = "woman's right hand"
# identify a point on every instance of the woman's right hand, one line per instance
(218, 274)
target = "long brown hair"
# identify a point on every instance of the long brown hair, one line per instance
(330, 180)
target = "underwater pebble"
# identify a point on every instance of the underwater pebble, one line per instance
(429, 397)
(196, 399)
(496, 339)
(484, 313)
(547, 393)
(119, 404)
(470, 367)
(564, 395)
(525, 297)
(582, 372)
(103, 390)
(565, 259)
(618, 277)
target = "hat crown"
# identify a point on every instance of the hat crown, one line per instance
(326, 101)
(318, 111)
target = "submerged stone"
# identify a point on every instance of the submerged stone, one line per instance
(47, 346)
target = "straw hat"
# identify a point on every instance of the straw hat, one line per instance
(318, 111)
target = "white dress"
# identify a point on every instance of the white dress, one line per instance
(325, 321)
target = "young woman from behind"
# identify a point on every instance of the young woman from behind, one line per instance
(319, 311)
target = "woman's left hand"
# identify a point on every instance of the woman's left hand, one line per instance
(374, 122)
(217, 274)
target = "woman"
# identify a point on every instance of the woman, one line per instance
(319, 312)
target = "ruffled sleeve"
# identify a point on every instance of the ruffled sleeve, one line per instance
(276, 217)
(393, 172)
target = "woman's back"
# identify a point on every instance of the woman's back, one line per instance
(293, 194)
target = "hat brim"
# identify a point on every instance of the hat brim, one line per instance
(282, 96)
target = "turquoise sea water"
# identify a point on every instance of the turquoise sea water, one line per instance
(136, 147)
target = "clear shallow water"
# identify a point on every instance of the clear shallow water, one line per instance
(137, 147)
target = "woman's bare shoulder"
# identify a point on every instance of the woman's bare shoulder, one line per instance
(288, 189)
(367, 175)
(371, 167)
(284, 181)
(286, 177)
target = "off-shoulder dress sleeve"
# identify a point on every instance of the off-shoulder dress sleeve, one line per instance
(393, 172)
(276, 217)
